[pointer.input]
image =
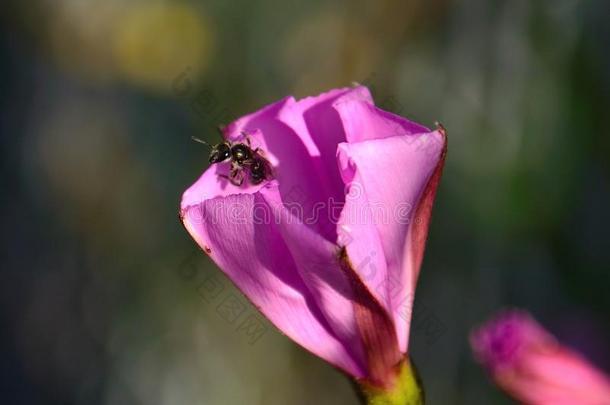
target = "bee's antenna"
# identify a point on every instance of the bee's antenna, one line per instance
(194, 138)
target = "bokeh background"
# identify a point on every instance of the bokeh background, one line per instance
(105, 298)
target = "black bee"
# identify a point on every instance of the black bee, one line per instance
(243, 159)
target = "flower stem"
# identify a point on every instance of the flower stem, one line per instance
(406, 390)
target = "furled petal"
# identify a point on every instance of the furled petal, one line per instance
(300, 177)
(357, 319)
(529, 364)
(301, 137)
(392, 175)
(317, 262)
(363, 121)
(323, 124)
(338, 290)
(260, 256)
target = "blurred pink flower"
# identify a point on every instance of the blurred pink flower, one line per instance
(531, 366)
(330, 248)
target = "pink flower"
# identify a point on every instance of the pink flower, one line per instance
(329, 248)
(530, 365)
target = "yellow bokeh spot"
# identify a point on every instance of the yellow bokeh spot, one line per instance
(153, 43)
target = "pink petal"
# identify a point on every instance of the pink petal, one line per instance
(529, 364)
(284, 268)
(289, 266)
(360, 322)
(301, 137)
(385, 220)
(317, 263)
(324, 125)
(299, 176)
(363, 121)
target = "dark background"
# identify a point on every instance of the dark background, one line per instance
(101, 286)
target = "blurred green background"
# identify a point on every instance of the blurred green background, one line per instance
(104, 295)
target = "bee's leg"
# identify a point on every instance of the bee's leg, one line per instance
(237, 178)
(237, 174)
(249, 143)
(224, 176)
(269, 172)
(255, 151)
(259, 152)
(235, 167)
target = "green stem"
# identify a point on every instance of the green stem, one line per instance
(406, 390)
